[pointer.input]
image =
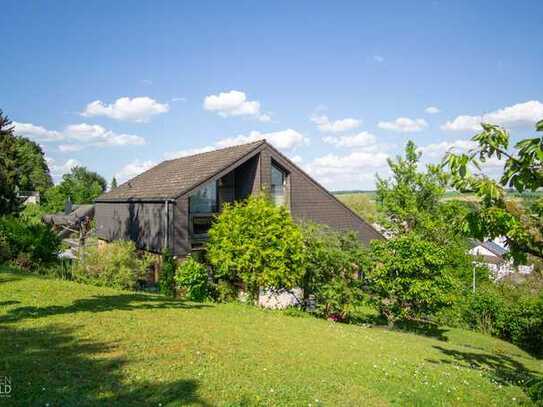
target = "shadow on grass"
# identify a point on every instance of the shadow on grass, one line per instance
(501, 369)
(125, 302)
(52, 366)
(423, 328)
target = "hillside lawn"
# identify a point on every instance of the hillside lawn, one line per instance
(67, 344)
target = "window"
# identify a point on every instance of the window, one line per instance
(278, 185)
(204, 200)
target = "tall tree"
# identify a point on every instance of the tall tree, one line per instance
(32, 170)
(113, 183)
(81, 185)
(521, 225)
(8, 166)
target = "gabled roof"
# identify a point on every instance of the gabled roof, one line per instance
(490, 246)
(172, 178)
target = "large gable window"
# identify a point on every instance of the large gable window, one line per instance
(278, 185)
(204, 200)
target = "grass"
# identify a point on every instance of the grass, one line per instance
(70, 344)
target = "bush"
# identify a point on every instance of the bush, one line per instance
(113, 265)
(334, 264)
(193, 277)
(257, 243)
(226, 291)
(166, 281)
(32, 214)
(37, 243)
(5, 248)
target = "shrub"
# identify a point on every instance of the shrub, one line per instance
(166, 280)
(334, 263)
(193, 277)
(113, 265)
(409, 278)
(226, 291)
(35, 242)
(32, 214)
(257, 243)
(5, 248)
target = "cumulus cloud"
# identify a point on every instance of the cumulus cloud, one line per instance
(234, 103)
(184, 153)
(404, 125)
(138, 109)
(438, 150)
(432, 110)
(284, 139)
(361, 140)
(520, 114)
(78, 136)
(325, 125)
(132, 169)
(59, 169)
(37, 133)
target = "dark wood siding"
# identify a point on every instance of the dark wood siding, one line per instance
(247, 179)
(310, 201)
(180, 238)
(141, 222)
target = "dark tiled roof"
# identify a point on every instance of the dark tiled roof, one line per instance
(172, 178)
(490, 246)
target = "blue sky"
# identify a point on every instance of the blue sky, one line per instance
(338, 86)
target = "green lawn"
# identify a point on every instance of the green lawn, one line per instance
(68, 344)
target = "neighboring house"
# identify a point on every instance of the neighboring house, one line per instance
(493, 256)
(29, 197)
(172, 204)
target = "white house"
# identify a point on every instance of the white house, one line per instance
(493, 254)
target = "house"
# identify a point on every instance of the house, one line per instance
(494, 257)
(173, 204)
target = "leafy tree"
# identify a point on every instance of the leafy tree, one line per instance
(409, 277)
(32, 170)
(193, 277)
(257, 243)
(522, 226)
(81, 185)
(8, 167)
(113, 183)
(410, 200)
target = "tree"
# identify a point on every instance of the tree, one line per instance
(113, 183)
(81, 185)
(522, 226)
(409, 277)
(8, 167)
(32, 170)
(257, 243)
(410, 199)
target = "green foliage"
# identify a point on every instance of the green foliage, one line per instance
(8, 167)
(35, 244)
(81, 185)
(495, 215)
(113, 183)
(113, 265)
(166, 281)
(193, 277)
(334, 262)
(257, 243)
(361, 204)
(409, 277)
(5, 247)
(32, 214)
(226, 291)
(32, 170)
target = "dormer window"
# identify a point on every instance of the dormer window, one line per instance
(278, 185)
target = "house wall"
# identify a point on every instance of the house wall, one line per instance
(180, 234)
(141, 222)
(310, 201)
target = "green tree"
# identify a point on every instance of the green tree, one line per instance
(113, 183)
(81, 185)
(521, 225)
(409, 277)
(8, 167)
(166, 280)
(32, 170)
(257, 243)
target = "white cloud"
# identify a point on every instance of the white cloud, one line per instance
(97, 135)
(58, 170)
(284, 139)
(132, 169)
(68, 148)
(363, 139)
(521, 114)
(404, 125)
(37, 133)
(325, 125)
(184, 153)
(432, 110)
(296, 159)
(438, 150)
(354, 170)
(138, 109)
(234, 103)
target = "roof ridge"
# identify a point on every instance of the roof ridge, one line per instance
(261, 141)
